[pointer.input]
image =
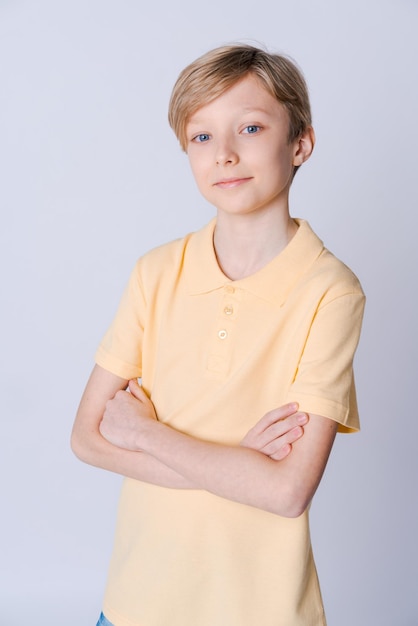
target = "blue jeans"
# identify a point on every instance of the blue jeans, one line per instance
(103, 621)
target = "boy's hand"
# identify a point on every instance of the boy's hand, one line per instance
(274, 434)
(127, 416)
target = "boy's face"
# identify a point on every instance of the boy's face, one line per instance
(239, 151)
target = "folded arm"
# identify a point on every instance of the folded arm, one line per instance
(245, 475)
(104, 396)
(239, 473)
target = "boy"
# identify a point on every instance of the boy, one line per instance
(248, 314)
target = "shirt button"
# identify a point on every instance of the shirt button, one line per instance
(228, 310)
(222, 334)
(229, 289)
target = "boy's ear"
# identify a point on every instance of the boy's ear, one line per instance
(304, 146)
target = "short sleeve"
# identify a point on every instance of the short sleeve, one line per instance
(120, 350)
(324, 381)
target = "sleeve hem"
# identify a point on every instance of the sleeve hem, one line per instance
(348, 422)
(116, 366)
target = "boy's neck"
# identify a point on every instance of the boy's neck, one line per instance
(245, 244)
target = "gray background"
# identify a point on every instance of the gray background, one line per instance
(92, 177)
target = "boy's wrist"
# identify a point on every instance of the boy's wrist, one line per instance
(149, 435)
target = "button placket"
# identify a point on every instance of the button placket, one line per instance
(227, 313)
(220, 355)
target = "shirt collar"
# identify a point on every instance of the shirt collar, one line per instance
(272, 283)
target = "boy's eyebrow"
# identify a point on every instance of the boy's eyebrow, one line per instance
(245, 109)
(252, 109)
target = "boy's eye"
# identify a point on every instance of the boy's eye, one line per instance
(202, 137)
(250, 130)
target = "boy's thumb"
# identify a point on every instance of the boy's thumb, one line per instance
(136, 390)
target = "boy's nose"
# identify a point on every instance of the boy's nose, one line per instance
(226, 154)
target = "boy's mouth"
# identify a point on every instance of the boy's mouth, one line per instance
(229, 183)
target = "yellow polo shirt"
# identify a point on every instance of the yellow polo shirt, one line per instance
(215, 355)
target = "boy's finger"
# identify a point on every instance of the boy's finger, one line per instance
(302, 418)
(282, 453)
(279, 448)
(136, 390)
(277, 414)
(283, 426)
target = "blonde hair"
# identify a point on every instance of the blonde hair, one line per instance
(216, 71)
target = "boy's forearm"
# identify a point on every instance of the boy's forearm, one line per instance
(173, 459)
(236, 473)
(141, 466)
